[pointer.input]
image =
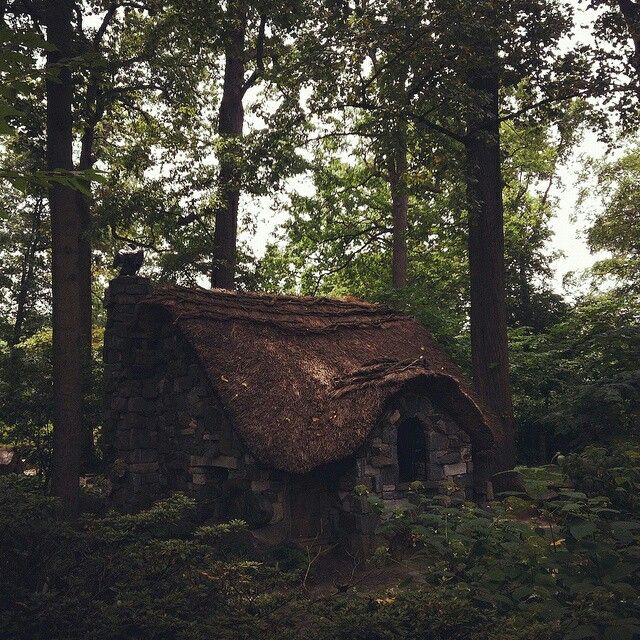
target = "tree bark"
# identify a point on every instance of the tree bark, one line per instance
(397, 175)
(489, 344)
(230, 123)
(631, 13)
(65, 236)
(85, 292)
(524, 285)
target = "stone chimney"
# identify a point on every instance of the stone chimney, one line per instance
(121, 297)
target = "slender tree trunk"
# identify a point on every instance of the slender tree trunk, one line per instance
(26, 274)
(489, 345)
(397, 175)
(631, 13)
(65, 232)
(230, 122)
(524, 285)
(86, 302)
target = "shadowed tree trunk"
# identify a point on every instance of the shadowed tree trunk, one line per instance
(230, 122)
(94, 109)
(65, 236)
(393, 91)
(397, 175)
(489, 345)
(631, 13)
(524, 289)
(85, 281)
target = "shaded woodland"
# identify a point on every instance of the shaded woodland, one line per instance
(417, 154)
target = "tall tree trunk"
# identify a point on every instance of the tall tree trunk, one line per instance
(631, 13)
(489, 345)
(230, 122)
(26, 274)
(86, 302)
(65, 233)
(524, 286)
(397, 175)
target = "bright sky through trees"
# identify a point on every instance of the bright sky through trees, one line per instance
(568, 223)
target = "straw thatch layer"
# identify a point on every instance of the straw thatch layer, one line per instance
(305, 379)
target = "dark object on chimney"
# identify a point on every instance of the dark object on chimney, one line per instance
(129, 261)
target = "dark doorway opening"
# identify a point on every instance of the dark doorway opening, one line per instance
(412, 451)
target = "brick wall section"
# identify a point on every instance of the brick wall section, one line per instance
(120, 299)
(449, 467)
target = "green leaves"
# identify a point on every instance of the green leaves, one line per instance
(614, 185)
(21, 50)
(561, 554)
(583, 632)
(6, 111)
(462, 572)
(77, 180)
(28, 39)
(581, 529)
(149, 572)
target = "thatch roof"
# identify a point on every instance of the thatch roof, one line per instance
(303, 379)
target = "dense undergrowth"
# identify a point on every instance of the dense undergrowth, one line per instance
(559, 561)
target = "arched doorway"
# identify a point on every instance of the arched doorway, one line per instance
(412, 451)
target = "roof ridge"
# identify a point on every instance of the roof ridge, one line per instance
(275, 298)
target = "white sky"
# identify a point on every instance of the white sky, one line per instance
(569, 222)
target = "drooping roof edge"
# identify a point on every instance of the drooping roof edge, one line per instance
(454, 395)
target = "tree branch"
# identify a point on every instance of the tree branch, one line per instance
(259, 70)
(136, 243)
(104, 25)
(30, 8)
(541, 103)
(462, 139)
(348, 260)
(406, 49)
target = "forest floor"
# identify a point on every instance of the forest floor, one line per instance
(336, 571)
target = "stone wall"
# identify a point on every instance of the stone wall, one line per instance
(120, 299)
(375, 468)
(168, 430)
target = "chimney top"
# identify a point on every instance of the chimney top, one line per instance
(129, 260)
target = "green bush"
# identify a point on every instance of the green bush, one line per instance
(26, 402)
(561, 562)
(150, 575)
(566, 564)
(612, 471)
(578, 383)
(35, 546)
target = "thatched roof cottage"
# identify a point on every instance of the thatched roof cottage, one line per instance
(274, 408)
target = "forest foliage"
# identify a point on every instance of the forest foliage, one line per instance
(559, 561)
(348, 130)
(147, 85)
